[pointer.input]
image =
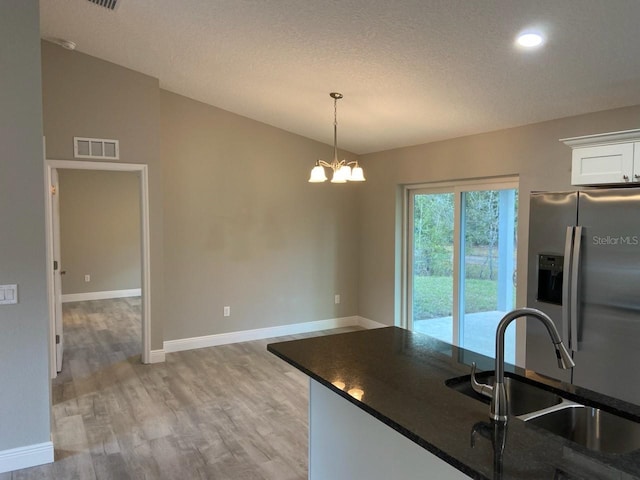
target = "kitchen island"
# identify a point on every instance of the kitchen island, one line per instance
(380, 408)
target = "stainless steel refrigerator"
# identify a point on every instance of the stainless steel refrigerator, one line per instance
(584, 272)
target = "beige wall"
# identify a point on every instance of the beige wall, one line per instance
(24, 327)
(99, 230)
(87, 97)
(244, 228)
(533, 152)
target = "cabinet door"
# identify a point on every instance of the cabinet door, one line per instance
(602, 164)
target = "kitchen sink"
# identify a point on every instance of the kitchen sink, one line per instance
(592, 428)
(522, 397)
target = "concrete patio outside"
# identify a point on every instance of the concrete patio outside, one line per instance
(479, 332)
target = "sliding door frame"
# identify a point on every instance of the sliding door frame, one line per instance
(456, 188)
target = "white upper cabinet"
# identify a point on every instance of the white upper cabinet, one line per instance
(602, 164)
(608, 158)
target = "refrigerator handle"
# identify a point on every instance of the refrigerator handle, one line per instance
(566, 285)
(575, 277)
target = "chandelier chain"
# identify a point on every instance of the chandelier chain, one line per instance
(335, 129)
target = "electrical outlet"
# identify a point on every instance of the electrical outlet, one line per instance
(8, 294)
(227, 311)
(337, 299)
(87, 278)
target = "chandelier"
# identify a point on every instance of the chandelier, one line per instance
(342, 170)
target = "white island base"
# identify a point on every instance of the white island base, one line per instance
(346, 443)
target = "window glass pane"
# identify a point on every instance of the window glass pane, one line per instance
(487, 272)
(432, 281)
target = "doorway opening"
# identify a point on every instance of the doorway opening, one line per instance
(55, 270)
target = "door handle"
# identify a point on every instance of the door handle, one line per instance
(566, 285)
(575, 277)
(63, 272)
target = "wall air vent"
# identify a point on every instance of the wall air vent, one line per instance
(96, 148)
(110, 4)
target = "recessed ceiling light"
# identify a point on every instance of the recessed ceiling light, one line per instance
(530, 40)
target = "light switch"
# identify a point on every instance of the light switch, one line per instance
(8, 294)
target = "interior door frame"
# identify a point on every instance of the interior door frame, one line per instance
(56, 276)
(143, 177)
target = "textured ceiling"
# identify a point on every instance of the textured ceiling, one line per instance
(411, 71)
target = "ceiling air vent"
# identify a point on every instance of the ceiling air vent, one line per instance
(110, 4)
(96, 148)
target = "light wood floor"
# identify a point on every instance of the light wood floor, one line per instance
(231, 412)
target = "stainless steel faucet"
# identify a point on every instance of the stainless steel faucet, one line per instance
(497, 392)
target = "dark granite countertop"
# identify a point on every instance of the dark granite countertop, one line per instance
(403, 374)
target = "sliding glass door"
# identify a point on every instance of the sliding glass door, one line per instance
(432, 267)
(462, 257)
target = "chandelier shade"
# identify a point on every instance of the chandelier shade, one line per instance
(342, 170)
(317, 174)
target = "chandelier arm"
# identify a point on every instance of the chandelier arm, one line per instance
(333, 165)
(337, 164)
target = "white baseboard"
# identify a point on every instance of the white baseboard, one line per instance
(25, 457)
(81, 297)
(157, 356)
(263, 333)
(369, 324)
